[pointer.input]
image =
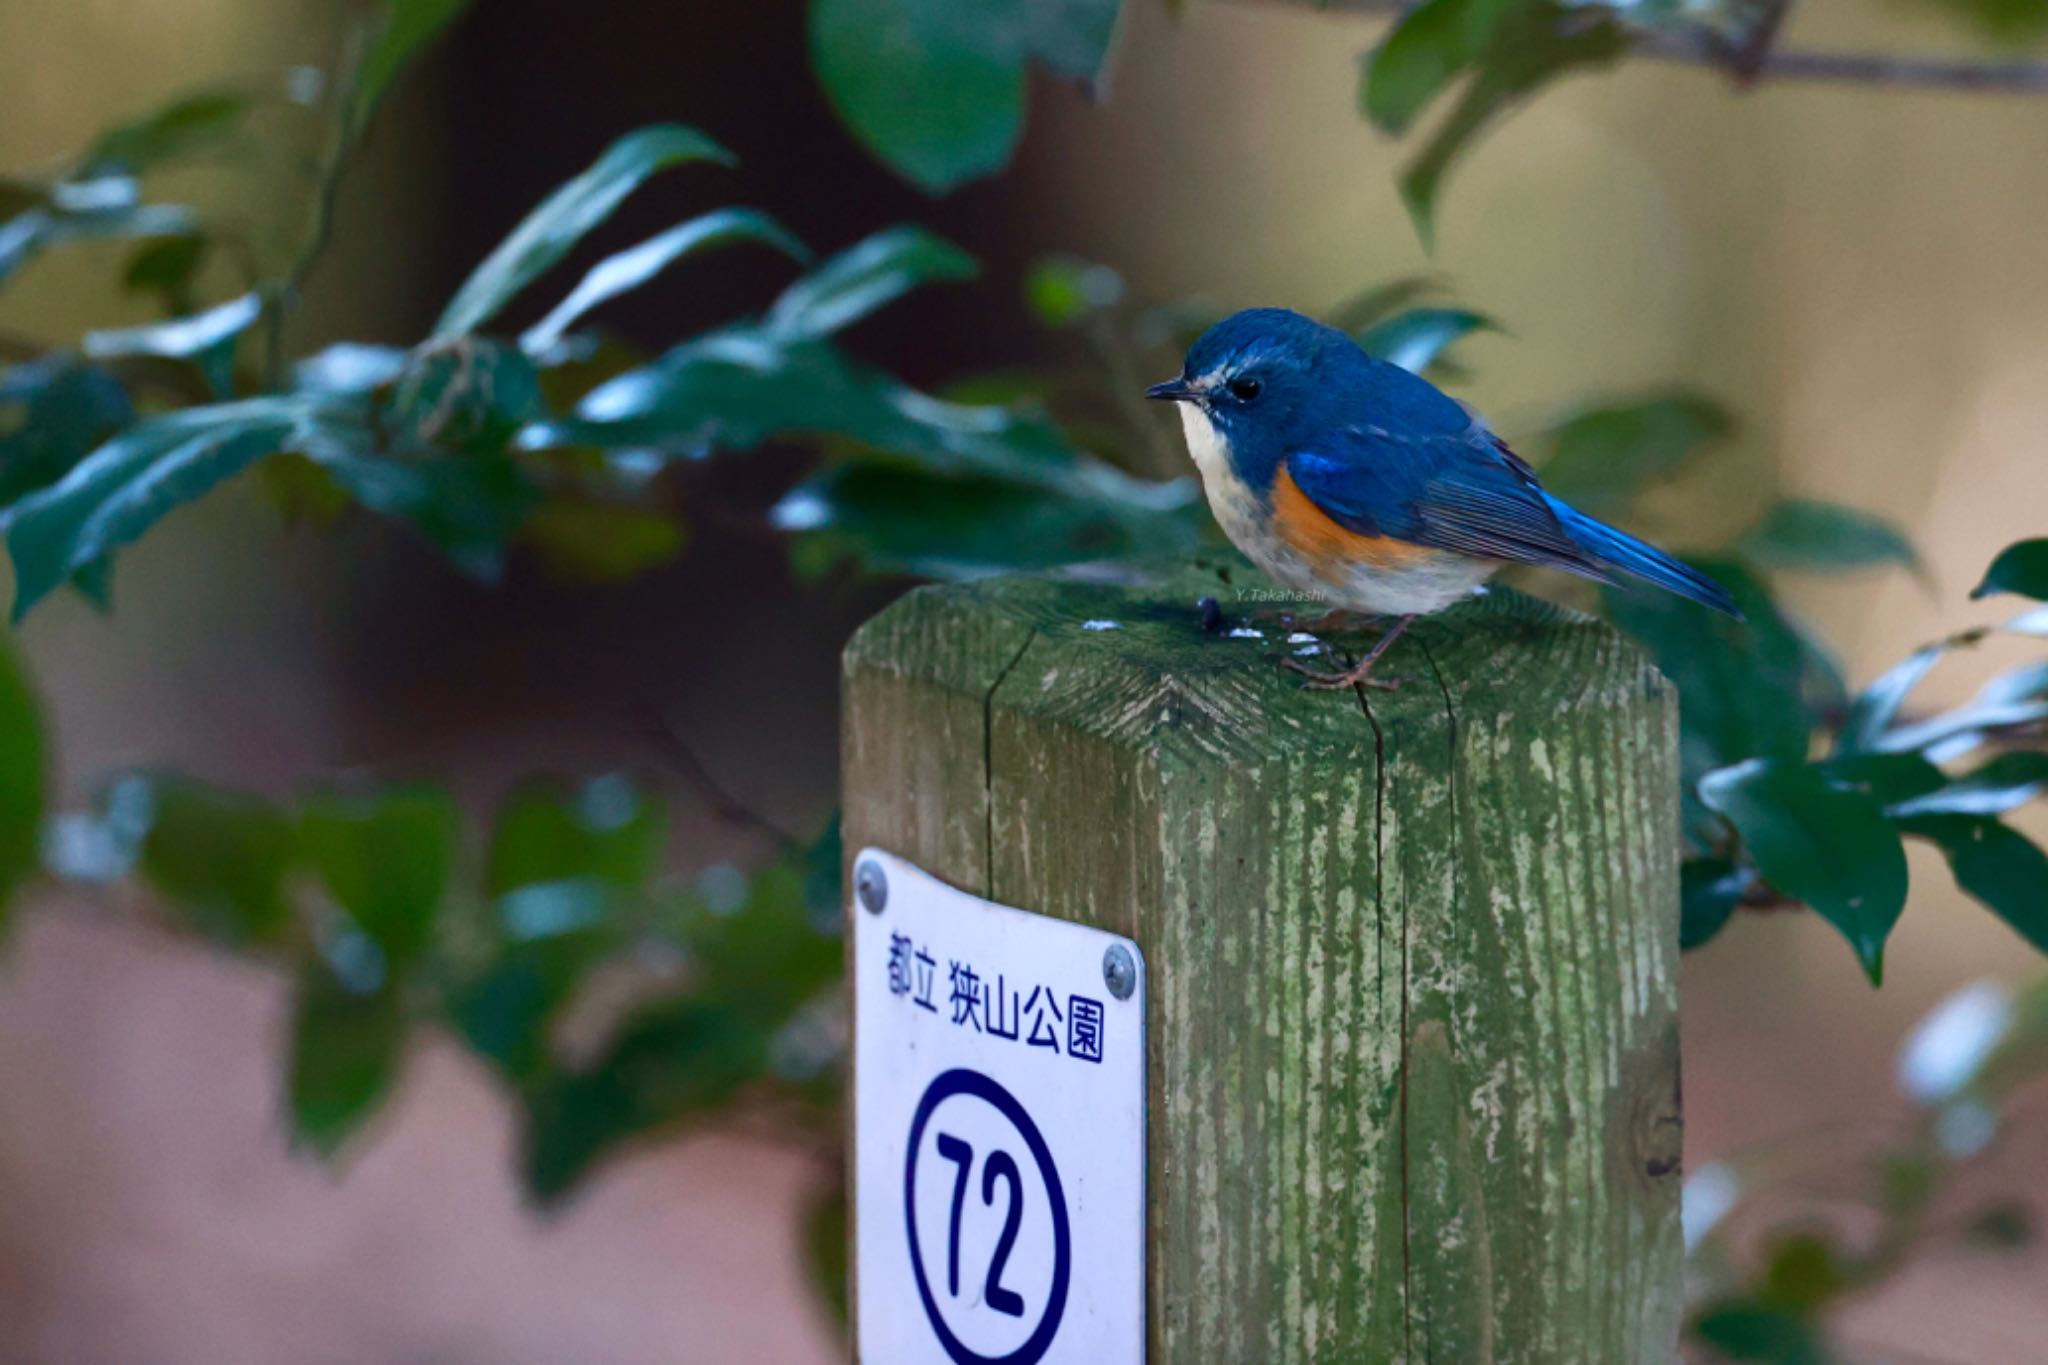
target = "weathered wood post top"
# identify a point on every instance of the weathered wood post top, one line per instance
(1410, 1012)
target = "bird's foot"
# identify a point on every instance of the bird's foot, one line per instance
(1358, 675)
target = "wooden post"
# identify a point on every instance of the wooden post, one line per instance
(1412, 956)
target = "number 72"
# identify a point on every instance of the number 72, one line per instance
(1000, 1165)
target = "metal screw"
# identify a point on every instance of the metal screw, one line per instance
(871, 884)
(1119, 972)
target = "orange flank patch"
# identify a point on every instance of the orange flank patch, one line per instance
(1308, 530)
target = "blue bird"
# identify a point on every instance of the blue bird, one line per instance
(1368, 487)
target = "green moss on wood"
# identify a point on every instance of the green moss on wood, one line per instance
(1412, 956)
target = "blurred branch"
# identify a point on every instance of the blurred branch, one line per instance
(722, 803)
(1701, 48)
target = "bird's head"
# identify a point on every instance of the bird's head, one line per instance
(1255, 383)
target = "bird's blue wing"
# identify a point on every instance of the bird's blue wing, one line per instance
(1462, 491)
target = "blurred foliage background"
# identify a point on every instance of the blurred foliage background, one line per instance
(486, 709)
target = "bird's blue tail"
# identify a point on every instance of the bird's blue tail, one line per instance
(1620, 550)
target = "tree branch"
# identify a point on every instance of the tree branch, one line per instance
(1702, 48)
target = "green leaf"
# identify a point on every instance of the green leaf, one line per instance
(198, 119)
(1417, 339)
(467, 394)
(895, 519)
(1994, 864)
(687, 1057)
(825, 1247)
(409, 27)
(860, 279)
(130, 483)
(1381, 301)
(385, 859)
(680, 1059)
(605, 831)
(548, 233)
(628, 270)
(1877, 706)
(1800, 533)
(935, 88)
(221, 856)
(1530, 45)
(1425, 51)
(1742, 686)
(1755, 1330)
(2020, 568)
(346, 1049)
(107, 209)
(1601, 458)
(23, 776)
(602, 542)
(1060, 290)
(166, 267)
(54, 411)
(2016, 697)
(207, 339)
(504, 1013)
(1709, 891)
(1819, 843)
(1891, 780)
(2007, 781)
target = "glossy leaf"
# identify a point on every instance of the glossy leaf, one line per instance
(54, 411)
(221, 857)
(23, 776)
(2013, 698)
(1418, 338)
(628, 270)
(1601, 458)
(386, 860)
(1994, 864)
(1709, 891)
(409, 28)
(469, 394)
(936, 89)
(346, 1046)
(206, 339)
(2006, 782)
(1819, 843)
(1801, 533)
(1891, 780)
(2020, 568)
(548, 233)
(105, 210)
(129, 484)
(860, 279)
(1877, 706)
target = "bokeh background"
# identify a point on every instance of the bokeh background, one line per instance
(1862, 275)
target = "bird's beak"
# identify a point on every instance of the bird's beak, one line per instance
(1172, 391)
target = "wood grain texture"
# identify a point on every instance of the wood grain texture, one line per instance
(1412, 956)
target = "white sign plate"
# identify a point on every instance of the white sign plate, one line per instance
(999, 1131)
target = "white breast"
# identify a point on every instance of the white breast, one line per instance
(1425, 587)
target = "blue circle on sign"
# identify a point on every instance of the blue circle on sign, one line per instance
(944, 1086)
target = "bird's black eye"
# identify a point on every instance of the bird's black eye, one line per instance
(1246, 389)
